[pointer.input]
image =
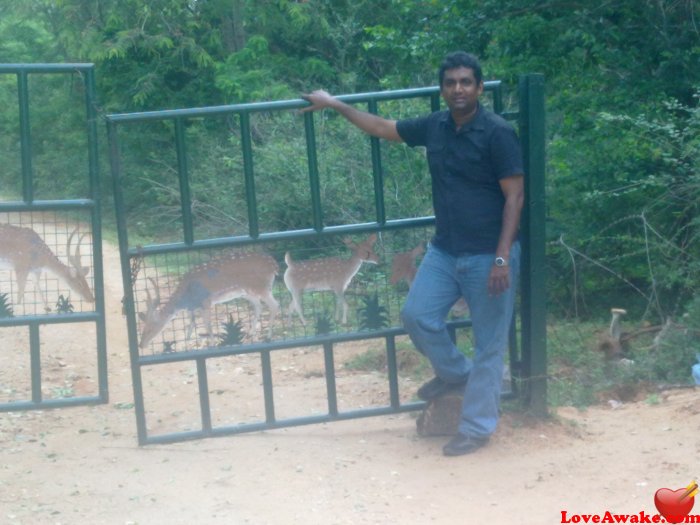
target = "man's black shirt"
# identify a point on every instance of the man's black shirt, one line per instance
(465, 168)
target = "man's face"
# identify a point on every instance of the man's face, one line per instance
(460, 90)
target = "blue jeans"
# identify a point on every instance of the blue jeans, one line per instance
(441, 280)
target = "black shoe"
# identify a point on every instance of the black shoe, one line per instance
(461, 444)
(436, 387)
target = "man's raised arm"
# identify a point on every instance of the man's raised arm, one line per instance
(369, 123)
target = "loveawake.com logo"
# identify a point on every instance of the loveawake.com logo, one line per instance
(674, 506)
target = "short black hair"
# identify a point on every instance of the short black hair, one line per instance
(460, 59)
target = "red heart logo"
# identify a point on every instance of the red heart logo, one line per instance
(674, 505)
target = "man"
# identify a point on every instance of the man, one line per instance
(477, 181)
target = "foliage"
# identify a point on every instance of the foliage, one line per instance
(233, 333)
(637, 235)
(622, 119)
(597, 57)
(408, 362)
(61, 392)
(372, 315)
(241, 77)
(149, 53)
(6, 309)
(63, 305)
(324, 324)
(580, 374)
(678, 348)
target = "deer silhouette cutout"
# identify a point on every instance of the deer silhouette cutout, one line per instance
(403, 265)
(327, 274)
(24, 251)
(248, 276)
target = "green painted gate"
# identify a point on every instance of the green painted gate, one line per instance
(52, 318)
(209, 313)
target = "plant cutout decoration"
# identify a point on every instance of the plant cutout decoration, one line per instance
(6, 306)
(233, 333)
(324, 324)
(372, 315)
(63, 305)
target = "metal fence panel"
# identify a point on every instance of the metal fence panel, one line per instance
(52, 317)
(203, 259)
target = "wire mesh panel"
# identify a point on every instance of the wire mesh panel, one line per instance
(197, 299)
(51, 291)
(47, 263)
(253, 237)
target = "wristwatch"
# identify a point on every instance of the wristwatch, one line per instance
(500, 261)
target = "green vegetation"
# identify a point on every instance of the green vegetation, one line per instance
(623, 121)
(372, 315)
(408, 361)
(233, 333)
(324, 324)
(581, 374)
(63, 305)
(6, 306)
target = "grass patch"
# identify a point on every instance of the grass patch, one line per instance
(581, 375)
(579, 372)
(409, 361)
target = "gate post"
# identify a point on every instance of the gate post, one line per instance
(534, 310)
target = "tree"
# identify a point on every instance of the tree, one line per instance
(621, 77)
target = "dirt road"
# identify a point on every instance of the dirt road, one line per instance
(83, 465)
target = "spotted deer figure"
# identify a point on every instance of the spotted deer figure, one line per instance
(248, 276)
(403, 265)
(25, 252)
(327, 274)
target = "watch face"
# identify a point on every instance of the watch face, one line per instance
(500, 261)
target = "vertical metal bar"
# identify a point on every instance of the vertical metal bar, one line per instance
(534, 328)
(452, 331)
(122, 233)
(96, 219)
(91, 114)
(139, 406)
(393, 371)
(183, 176)
(314, 180)
(498, 98)
(204, 405)
(25, 137)
(35, 361)
(377, 172)
(330, 378)
(267, 386)
(513, 363)
(435, 102)
(249, 175)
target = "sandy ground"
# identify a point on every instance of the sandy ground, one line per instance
(83, 465)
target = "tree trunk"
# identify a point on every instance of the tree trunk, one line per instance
(233, 29)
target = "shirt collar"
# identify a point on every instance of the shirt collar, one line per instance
(477, 123)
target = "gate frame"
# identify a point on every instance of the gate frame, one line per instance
(91, 204)
(529, 371)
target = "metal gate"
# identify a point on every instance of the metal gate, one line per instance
(224, 276)
(52, 319)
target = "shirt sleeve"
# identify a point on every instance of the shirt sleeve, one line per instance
(413, 131)
(506, 152)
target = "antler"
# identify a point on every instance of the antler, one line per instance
(76, 259)
(152, 303)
